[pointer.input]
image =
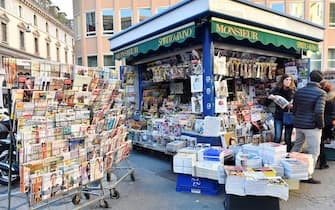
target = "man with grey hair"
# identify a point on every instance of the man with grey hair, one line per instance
(308, 108)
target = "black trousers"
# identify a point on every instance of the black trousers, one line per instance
(327, 133)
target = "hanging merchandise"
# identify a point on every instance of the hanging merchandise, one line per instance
(221, 88)
(220, 64)
(197, 106)
(221, 105)
(196, 83)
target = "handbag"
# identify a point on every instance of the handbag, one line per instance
(288, 118)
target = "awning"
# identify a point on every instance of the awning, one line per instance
(240, 31)
(177, 35)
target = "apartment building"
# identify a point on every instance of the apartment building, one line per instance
(95, 21)
(320, 12)
(29, 31)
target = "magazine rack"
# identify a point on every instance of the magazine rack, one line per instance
(67, 121)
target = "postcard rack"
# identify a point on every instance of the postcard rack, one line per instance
(68, 123)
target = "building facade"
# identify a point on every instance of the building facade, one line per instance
(320, 12)
(95, 21)
(28, 31)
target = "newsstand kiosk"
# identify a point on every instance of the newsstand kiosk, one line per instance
(203, 59)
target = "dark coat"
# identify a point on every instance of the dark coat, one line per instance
(330, 108)
(308, 107)
(287, 94)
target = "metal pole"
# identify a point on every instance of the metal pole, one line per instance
(10, 145)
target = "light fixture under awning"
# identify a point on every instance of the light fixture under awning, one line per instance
(178, 35)
(253, 34)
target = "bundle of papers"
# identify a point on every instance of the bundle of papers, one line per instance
(295, 169)
(272, 152)
(259, 182)
(175, 146)
(248, 160)
(235, 180)
(183, 163)
(252, 149)
(207, 169)
(306, 158)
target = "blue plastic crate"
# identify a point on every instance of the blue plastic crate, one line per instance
(188, 183)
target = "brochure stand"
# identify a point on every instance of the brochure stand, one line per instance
(69, 125)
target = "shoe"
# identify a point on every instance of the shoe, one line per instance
(311, 181)
(324, 166)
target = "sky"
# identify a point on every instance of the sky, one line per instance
(64, 6)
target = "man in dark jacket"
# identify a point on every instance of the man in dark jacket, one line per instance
(308, 108)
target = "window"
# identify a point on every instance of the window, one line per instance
(108, 21)
(66, 61)
(90, 24)
(297, 9)
(92, 61)
(278, 6)
(2, 4)
(20, 11)
(79, 61)
(144, 13)
(316, 61)
(331, 58)
(126, 16)
(22, 40)
(65, 38)
(46, 27)
(109, 60)
(36, 45)
(316, 11)
(332, 14)
(48, 50)
(57, 53)
(161, 9)
(35, 20)
(57, 33)
(3, 32)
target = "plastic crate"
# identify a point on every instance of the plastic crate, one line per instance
(188, 183)
(330, 153)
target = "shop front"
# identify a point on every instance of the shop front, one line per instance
(201, 70)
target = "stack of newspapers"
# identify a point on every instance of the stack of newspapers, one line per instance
(272, 152)
(295, 169)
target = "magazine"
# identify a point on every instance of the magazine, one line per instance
(35, 189)
(51, 184)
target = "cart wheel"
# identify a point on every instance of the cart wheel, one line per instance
(76, 199)
(132, 177)
(103, 204)
(114, 194)
(87, 196)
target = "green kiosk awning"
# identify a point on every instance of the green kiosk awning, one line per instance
(240, 31)
(178, 35)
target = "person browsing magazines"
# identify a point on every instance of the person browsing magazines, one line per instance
(329, 114)
(308, 108)
(286, 89)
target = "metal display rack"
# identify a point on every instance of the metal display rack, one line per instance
(67, 154)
